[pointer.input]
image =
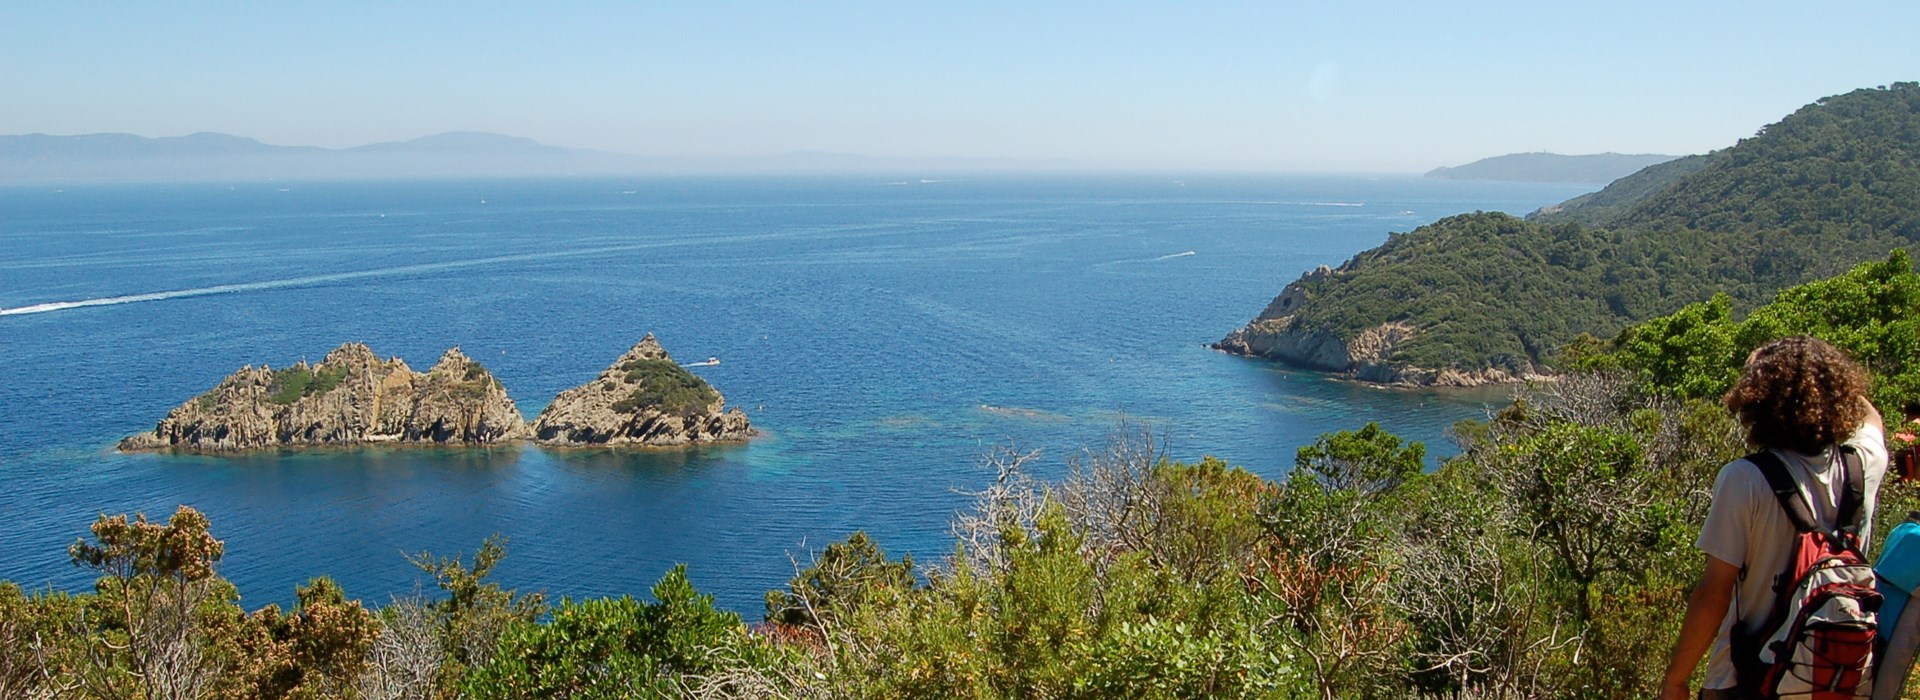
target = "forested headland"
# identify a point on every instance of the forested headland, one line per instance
(1550, 559)
(1832, 185)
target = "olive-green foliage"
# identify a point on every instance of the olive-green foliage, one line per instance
(1828, 187)
(1872, 312)
(610, 648)
(476, 612)
(317, 650)
(35, 628)
(289, 384)
(292, 383)
(1160, 610)
(474, 384)
(1334, 509)
(1207, 518)
(1600, 208)
(842, 578)
(664, 386)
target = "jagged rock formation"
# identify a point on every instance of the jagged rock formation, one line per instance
(645, 399)
(352, 397)
(1368, 356)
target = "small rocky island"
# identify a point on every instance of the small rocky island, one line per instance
(352, 397)
(644, 400)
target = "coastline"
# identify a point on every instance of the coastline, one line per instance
(516, 443)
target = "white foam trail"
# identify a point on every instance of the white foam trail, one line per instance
(303, 281)
(1336, 204)
(1175, 255)
(861, 229)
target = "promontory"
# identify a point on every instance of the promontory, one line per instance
(645, 399)
(1487, 297)
(352, 397)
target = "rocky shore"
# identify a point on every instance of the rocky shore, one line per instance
(643, 399)
(1368, 356)
(352, 397)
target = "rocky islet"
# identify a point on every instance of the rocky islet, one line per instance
(352, 397)
(643, 399)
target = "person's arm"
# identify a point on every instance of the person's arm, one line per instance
(1873, 416)
(1706, 608)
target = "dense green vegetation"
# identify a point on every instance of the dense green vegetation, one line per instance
(664, 386)
(1600, 208)
(1872, 312)
(291, 383)
(1832, 185)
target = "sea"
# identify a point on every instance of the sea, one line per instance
(887, 334)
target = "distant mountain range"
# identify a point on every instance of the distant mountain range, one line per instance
(1597, 169)
(212, 156)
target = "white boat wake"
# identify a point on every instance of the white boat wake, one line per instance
(309, 281)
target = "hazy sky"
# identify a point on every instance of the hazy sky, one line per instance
(1341, 86)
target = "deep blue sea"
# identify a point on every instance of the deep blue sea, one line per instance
(885, 333)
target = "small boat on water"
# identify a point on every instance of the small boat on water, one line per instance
(711, 361)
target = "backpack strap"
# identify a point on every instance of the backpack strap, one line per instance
(1786, 490)
(1853, 497)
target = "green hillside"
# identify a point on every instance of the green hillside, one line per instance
(1830, 186)
(1600, 208)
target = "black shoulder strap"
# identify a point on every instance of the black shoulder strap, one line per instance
(1785, 489)
(1853, 496)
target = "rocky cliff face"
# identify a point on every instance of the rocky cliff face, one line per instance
(352, 397)
(644, 399)
(1277, 334)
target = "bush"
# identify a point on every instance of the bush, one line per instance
(664, 386)
(610, 648)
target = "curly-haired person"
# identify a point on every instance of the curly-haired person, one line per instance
(1799, 398)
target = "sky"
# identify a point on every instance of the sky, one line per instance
(1267, 86)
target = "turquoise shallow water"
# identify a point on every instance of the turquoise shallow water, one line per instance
(885, 333)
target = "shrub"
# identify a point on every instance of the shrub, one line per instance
(664, 386)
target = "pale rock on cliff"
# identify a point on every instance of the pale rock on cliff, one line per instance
(643, 400)
(1277, 334)
(352, 397)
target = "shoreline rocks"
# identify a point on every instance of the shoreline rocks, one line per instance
(1277, 334)
(643, 399)
(353, 398)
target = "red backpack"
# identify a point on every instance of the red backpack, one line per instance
(1818, 640)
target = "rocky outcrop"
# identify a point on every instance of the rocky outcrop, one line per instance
(352, 397)
(1278, 334)
(645, 400)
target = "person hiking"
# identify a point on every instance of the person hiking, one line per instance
(1806, 403)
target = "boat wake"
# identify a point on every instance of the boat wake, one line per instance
(308, 281)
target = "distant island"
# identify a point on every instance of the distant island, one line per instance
(1491, 298)
(354, 398)
(215, 157)
(1596, 169)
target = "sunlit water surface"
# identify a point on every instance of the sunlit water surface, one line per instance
(885, 333)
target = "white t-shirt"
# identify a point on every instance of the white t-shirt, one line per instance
(1747, 528)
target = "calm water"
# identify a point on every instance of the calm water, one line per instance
(885, 334)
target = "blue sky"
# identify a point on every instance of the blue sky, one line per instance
(1324, 86)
